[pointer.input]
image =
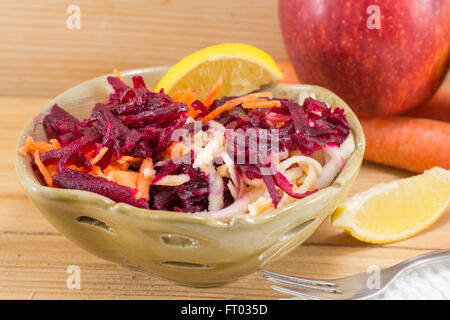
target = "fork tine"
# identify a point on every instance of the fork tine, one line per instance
(296, 293)
(295, 284)
(284, 277)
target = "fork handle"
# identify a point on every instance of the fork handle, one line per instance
(423, 259)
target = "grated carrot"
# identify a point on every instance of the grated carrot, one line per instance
(261, 104)
(47, 176)
(97, 171)
(110, 168)
(169, 150)
(117, 74)
(75, 168)
(193, 112)
(230, 104)
(31, 145)
(144, 179)
(23, 150)
(177, 96)
(176, 150)
(211, 96)
(52, 169)
(190, 96)
(55, 143)
(187, 96)
(124, 178)
(124, 161)
(99, 155)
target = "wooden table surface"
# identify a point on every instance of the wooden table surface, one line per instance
(34, 256)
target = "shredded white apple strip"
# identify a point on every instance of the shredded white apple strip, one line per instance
(232, 189)
(216, 188)
(334, 160)
(237, 181)
(253, 182)
(173, 180)
(223, 171)
(303, 161)
(294, 175)
(212, 149)
(240, 206)
(262, 204)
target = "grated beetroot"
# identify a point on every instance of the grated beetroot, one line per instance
(73, 153)
(61, 125)
(152, 117)
(312, 126)
(191, 196)
(135, 122)
(308, 128)
(139, 123)
(70, 179)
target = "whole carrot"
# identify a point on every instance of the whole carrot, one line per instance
(437, 108)
(414, 144)
(288, 71)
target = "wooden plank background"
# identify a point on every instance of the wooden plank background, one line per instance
(40, 57)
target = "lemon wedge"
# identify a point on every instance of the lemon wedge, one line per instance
(243, 68)
(397, 210)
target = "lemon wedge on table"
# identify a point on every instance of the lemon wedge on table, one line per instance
(397, 210)
(243, 68)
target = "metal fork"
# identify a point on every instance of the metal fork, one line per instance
(352, 287)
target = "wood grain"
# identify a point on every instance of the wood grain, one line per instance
(40, 56)
(34, 256)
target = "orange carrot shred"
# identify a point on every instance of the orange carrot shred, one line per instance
(177, 96)
(23, 150)
(211, 96)
(187, 96)
(47, 176)
(52, 169)
(193, 112)
(117, 73)
(230, 104)
(144, 179)
(124, 178)
(75, 168)
(176, 150)
(97, 171)
(169, 150)
(99, 155)
(55, 143)
(37, 145)
(124, 161)
(110, 167)
(31, 145)
(261, 104)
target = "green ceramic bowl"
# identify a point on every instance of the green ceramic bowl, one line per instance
(191, 249)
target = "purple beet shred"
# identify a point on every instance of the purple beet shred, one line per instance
(71, 179)
(61, 125)
(139, 123)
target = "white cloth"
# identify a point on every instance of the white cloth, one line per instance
(430, 282)
(425, 283)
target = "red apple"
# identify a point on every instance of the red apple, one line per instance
(381, 56)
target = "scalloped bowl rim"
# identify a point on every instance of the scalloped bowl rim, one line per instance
(353, 162)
